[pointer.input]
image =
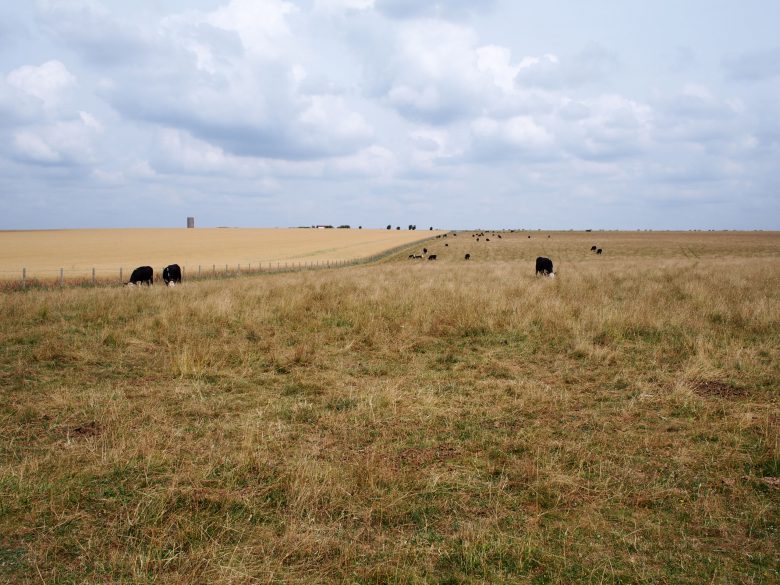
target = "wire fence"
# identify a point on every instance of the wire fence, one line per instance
(77, 277)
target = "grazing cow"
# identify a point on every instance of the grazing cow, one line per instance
(598, 251)
(432, 257)
(142, 275)
(499, 236)
(172, 275)
(425, 250)
(593, 248)
(467, 257)
(446, 245)
(411, 256)
(529, 237)
(487, 239)
(544, 266)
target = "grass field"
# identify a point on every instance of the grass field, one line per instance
(405, 422)
(42, 253)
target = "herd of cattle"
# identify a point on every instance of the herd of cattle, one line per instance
(145, 275)
(544, 266)
(172, 273)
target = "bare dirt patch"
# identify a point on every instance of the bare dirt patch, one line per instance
(86, 430)
(717, 388)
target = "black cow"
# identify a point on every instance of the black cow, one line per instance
(598, 251)
(593, 248)
(499, 236)
(446, 245)
(425, 250)
(411, 256)
(529, 237)
(172, 275)
(544, 266)
(432, 257)
(467, 257)
(142, 275)
(487, 239)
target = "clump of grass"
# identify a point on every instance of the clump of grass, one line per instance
(443, 422)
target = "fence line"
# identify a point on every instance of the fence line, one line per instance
(58, 277)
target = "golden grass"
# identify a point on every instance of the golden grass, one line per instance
(77, 252)
(409, 422)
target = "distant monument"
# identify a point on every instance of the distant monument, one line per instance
(190, 222)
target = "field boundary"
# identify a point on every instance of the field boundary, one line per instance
(200, 272)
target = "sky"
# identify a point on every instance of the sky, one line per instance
(563, 114)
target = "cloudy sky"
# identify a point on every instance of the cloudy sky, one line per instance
(499, 113)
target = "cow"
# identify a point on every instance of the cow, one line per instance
(499, 236)
(432, 257)
(467, 257)
(529, 237)
(487, 239)
(544, 266)
(599, 251)
(425, 250)
(172, 275)
(478, 239)
(446, 245)
(142, 275)
(411, 256)
(593, 248)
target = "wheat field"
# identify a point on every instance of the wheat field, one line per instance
(43, 253)
(409, 421)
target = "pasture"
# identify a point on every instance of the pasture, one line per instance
(410, 421)
(43, 253)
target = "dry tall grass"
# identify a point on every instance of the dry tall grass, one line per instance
(411, 422)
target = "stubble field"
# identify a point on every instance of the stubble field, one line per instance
(405, 422)
(43, 253)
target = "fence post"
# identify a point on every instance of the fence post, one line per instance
(226, 269)
(214, 269)
(93, 275)
(121, 280)
(62, 272)
(24, 277)
(239, 268)
(198, 270)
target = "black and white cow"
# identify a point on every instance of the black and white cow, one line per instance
(172, 275)
(544, 266)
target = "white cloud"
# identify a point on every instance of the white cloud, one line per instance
(261, 24)
(47, 82)
(69, 141)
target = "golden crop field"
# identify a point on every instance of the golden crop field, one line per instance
(43, 253)
(407, 421)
